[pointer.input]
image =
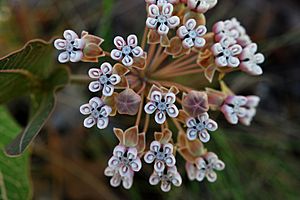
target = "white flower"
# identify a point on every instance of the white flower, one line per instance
(161, 19)
(252, 103)
(250, 60)
(200, 127)
(98, 113)
(204, 167)
(201, 6)
(162, 104)
(234, 108)
(106, 80)
(161, 2)
(226, 54)
(192, 35)
(171, 177)
(125, 52)
(161, 155)
(226, 29)
(72, 47)
(122, 165)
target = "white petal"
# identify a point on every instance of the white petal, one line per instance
(115, 181)
(76, 56)
(199, 42)
(102, 123)
(156, 96)
(106, 68)
(191, 133)
(202, 7)
(95, 86)
(151, 22)
(211, 125)
(160, 117)
(159, 166)
(170, 98)
(153, 10)
(172, 111)
(116, 54)
(79, 43)
(165, 186)
(64, 57)
(201, 30)
(119, 151)
(137, 52)
(127, 61)
(233, 61)
(168, 149)
(229, 114)
(114, 79)
(190, 170)
(200, 175)
(119, 42)
(85, 109)
(105, 111)
(132, 41)
(136, 165)
(182, 32)
(155, 146)
(211, 176)
(132, 153)
(173, 21)
(221, 61)
(191, 24)
(188, 43)
(154, 179)
(163, 29)
(70, 35)
(191, 122)
(203, 117)
(60, 44)
(149, 157)
(259, 58)
(167, 9)
(114, 162)
(108, 90)
(95, 102)
(89, 122)
(127, 182)
(217, 49)
(109, 171)
(150, 108)
(219, 165)
(170, 161)
(204, 136)
(94, 73)
(236, 49)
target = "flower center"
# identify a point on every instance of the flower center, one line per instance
(193, 34)
(162, 106)
(227, 53)
(200, 126)
(95, 113)
(161, 19)
(69, 47)
(125, 160)
(126, 50)
(103, 79)
(160, 156)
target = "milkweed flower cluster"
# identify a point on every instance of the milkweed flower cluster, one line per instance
(142, 84)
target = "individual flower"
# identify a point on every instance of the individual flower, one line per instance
(122, 165)
(250, 60)
(225, 29)
(162, 103)
(201, 6)
(162, 2)
(161, 19)
(167, 179)
(98, 113)
(200, 127)
(252, 103)
(71, 46)
(161, 155)
(126, 51)
(226, 54)
(234, 108)
(106, 80)
(191, 35)
(204, 167)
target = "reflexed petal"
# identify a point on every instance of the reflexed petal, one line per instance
(151, 22)
(124, 170)
(236, 100)
(149, 157)
(176, 179)
(132, 40)
(204, 136)
(200, 175)
(108, 90)
(137, 52)
(170, 98)
(211, 125)
(119, 42)
(173, 21)
(95, 86)
(170, 161)
(115, 181)
(85, 109)
(106, 68)
(199, 42)
(154, 179)
(116, 54)
(114, 162)
(191, 24)
(172, 111)
(259, 58)
(217, 49)
(160, 117)
(191, 133)
(114, 79)
(64, 57)
(136, 165)
(159, 166)
(89, 122)
(211, 176)
(167, 9)
(127, 182)
(102, 123)
(109, 171)
(168, 148)
(95, 102)
(182, 32)
(188, 43)
(155, 146)
(200, 163)
(221, 61)
(252, 48)
(219, 165)
(191, 122)
(190, 170)
(229, 114)
(132, 153)
(203, 7)
(156, 96)
(76, 56)
(94, 73)
(60, 44)
(153, 10)
(203, 117)
(252, 101)
(79, 43)
(233, 61)
(105, 111)
(201, 30)
(119, 151)
(163, 29)
(127, 61)
(236, 49)
(165, 186)
(70, 35)
(150, 108)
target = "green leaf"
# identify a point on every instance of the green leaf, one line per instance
(22, 71)
(14, 172)
(43, 103)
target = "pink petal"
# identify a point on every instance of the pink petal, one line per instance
(70, 35)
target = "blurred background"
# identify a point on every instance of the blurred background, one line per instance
(262, 161)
